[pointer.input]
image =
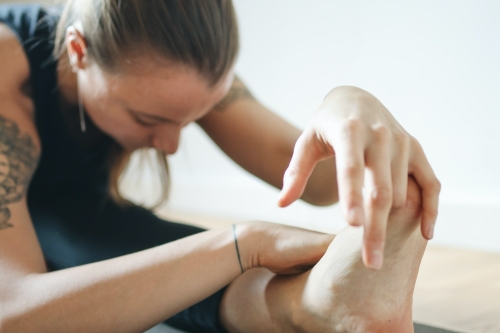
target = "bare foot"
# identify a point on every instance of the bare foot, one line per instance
(341, 295)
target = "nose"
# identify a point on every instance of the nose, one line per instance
(167, 140)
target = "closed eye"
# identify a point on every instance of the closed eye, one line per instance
(145, 123)
(148, 120)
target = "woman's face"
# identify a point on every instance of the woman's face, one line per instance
(147, 104)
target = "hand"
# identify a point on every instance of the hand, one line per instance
(279, 248)
(371, 150)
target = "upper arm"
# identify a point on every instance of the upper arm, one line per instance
(20, 252)
(253, 136)
(262, 143)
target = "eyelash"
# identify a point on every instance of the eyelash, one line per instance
(143, 123)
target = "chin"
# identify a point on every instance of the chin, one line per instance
(129, 146)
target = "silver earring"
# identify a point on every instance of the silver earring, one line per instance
(83, 127)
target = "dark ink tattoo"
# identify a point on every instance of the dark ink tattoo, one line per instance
(238, 91)
(18, 160)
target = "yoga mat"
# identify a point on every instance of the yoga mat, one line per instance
(419, 328)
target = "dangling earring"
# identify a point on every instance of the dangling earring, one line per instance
(83, 126)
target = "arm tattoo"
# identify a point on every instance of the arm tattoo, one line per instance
(18, 160)
(238, 91)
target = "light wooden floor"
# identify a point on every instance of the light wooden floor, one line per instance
(456, 289)
(459, 290)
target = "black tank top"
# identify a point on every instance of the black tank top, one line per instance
(64, 165)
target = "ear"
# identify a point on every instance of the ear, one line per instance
(76, 47)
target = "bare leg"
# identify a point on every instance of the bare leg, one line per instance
(339, 294)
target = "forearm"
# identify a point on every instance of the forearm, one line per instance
(125, 294)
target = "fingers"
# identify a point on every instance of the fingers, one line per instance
(431, 187)
(308, 249)
(306, 154)
(378, 199)
(349, 154)
(399, 169)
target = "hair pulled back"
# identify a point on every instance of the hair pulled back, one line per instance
(202, 34)
(198, 33)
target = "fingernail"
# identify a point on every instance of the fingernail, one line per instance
(430, 232)
(377, 259)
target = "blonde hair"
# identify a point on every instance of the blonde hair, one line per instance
(200, 34)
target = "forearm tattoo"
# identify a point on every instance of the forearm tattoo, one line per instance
(237, 91)
(18, 160)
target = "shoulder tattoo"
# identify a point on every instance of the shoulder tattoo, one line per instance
(18, 160)
(237, 91)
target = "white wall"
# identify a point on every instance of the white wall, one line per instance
(434, 64)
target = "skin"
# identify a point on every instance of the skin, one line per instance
(373, 151)
(339, 294)
(242, 127)
(351, 129)
(143, 106)
(85, 298)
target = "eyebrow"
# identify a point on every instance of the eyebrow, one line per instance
(147, 115)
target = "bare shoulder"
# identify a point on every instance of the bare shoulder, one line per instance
(19, 141)
(14, 66)
(20, 251)
(16, 105)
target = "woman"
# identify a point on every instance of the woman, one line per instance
(81, 91)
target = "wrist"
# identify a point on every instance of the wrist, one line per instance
(249, 237)
(346, 95)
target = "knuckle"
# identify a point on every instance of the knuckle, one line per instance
(291, 172)
(351, 125)
(353, 170)
(382, 133)
(416, 146)
(401, 139)
(381, 196)
(436, 185)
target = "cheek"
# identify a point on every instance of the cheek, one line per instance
(102, 106)
(116, 123)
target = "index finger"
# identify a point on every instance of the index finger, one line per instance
(378, 198)
(349, 154)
